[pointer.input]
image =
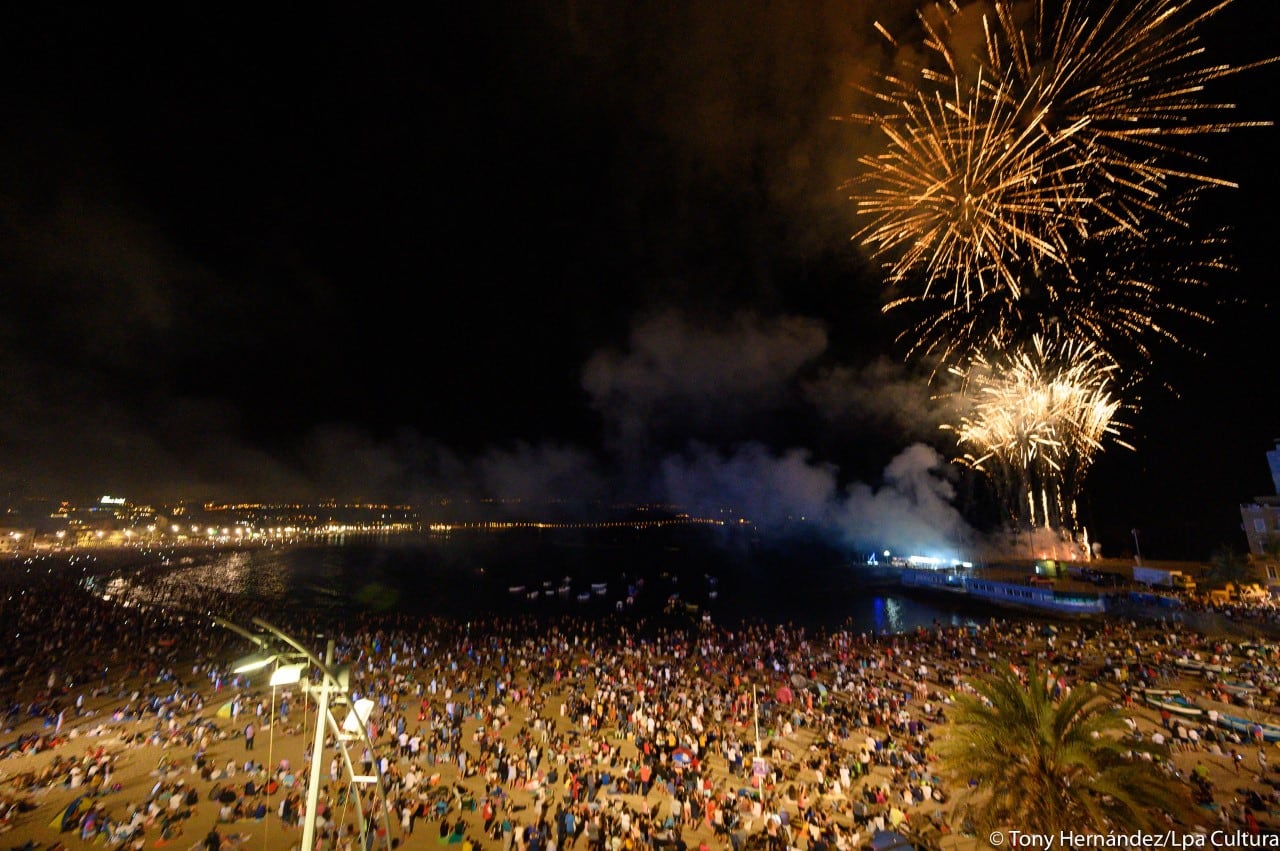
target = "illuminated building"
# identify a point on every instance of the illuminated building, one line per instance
(1260, 520)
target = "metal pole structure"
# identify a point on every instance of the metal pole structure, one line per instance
(755, 712)
(330, 685)
(352, 787)
(317, 751)
(1136, 549)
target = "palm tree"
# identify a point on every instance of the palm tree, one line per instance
(1228, 566)
(1044, 766)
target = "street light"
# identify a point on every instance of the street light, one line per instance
(252, 662)
(287, 675)
(275, 645)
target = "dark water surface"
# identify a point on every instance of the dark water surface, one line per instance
(472, 574)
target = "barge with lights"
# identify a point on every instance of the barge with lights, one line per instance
(1026, 596)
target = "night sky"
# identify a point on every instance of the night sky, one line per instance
(590, 251)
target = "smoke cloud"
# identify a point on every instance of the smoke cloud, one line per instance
(790, 494)
(879, 395)
(699, 379)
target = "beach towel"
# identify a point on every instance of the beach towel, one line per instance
(68, 816)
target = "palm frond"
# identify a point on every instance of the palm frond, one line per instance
(1049, 765)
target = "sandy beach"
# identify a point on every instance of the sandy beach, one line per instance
(523, 721)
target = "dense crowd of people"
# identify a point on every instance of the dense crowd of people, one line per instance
(543, 734)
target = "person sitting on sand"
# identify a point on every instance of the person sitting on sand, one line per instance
(170, 829)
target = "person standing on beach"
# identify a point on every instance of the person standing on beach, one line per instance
(508, 832)
(248, 737)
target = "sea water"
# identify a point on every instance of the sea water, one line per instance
(637, 573)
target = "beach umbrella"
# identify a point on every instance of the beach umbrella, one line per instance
(784, 694)
(682, 756)
(224, 711)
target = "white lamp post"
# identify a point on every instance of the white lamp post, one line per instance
(332, 689)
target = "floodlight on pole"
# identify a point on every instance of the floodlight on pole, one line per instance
(358, 717)
(333, 688)
(252, 662)
(287, 675)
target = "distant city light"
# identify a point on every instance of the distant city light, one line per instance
(141, 529)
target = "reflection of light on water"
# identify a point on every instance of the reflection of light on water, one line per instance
(431, 581)
(886, 612)
(893, 614)
(232, 574)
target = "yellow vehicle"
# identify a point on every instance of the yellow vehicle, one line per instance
(1156, 577)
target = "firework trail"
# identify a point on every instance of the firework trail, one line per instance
(1033, 418)
(1033, 203)
(1009, 164)
(961, 193)
(1147, 292)
(1134, 73)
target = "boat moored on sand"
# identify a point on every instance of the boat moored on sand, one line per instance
(1176, 702)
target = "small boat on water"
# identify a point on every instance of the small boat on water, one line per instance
(516, 589)
(1176, 703)
(533, 595)
(584, 597)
